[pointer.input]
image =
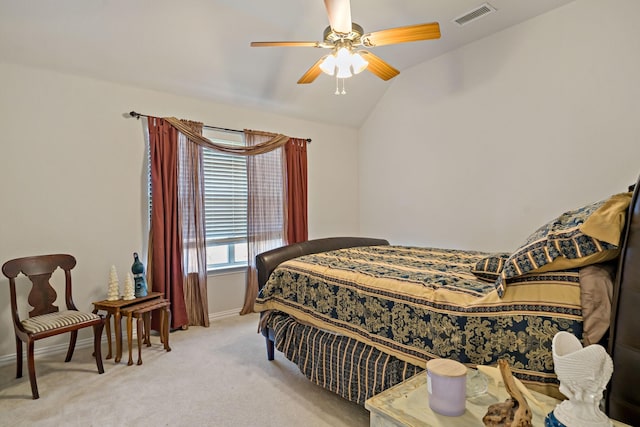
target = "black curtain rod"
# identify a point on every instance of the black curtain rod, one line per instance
(138, 115)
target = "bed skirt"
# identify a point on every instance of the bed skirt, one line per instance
(351, 369)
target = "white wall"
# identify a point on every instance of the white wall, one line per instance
(73, 180)
(471, 150)
(479, 147)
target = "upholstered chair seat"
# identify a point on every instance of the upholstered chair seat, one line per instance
(47, 322)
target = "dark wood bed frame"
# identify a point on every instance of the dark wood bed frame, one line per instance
(622, 398)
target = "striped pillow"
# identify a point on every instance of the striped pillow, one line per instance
(488, 269)
(560, 244)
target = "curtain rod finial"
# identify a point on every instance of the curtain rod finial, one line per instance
(134, 114)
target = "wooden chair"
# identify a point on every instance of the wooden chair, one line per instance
(46, 320)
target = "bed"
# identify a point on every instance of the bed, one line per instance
(358, 315)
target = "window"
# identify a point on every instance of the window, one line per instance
(225, 203)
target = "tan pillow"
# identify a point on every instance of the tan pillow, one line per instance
(596, 293)
(606, 223)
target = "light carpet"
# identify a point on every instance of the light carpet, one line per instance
(216, 376)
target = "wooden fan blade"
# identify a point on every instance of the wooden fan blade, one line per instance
(339, 12)
(378, 66)
(290, 44)
(312, 73)
(410, 33)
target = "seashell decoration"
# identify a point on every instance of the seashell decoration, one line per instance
(583, 373)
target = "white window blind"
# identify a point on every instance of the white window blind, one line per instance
(225, 203)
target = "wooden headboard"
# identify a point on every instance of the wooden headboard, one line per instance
(623, 392)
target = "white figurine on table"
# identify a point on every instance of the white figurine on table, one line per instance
(113, 293)
(129, 291)
(583, 373)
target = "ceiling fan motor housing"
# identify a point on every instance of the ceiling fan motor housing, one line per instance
(331, 37)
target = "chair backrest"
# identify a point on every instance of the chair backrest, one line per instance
(39, 270)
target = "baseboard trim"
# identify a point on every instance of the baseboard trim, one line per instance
(47, 350)
(223, 314)
(88, 342)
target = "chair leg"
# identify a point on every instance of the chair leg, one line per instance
(32, 370)
(107, 324)
(18, 357)
(97, 346)
(72, 345)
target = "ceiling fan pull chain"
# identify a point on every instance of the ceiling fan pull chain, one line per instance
(344, 92)
(337, 92)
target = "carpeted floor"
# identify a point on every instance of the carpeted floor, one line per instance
(216, 376)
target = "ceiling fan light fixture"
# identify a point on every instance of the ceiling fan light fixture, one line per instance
(328, 65)
(344, 63)
(343, 58)
(344, 72)
(358, 63)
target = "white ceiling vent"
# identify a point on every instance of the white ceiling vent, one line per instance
(477, 13)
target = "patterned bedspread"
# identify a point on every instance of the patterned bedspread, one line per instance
(420, 303)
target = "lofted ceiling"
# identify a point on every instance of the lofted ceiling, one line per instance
(200, 48)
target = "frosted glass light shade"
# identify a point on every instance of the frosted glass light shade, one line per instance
(358, 63)
(344, 72)
(328, 66)
(343, 57)
(344, 63)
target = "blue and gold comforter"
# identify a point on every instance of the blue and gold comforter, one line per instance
(422, 303)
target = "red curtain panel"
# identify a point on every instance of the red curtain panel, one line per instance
(165, 242)
(297, 225)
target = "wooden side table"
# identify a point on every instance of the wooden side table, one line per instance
(113, 309)
(407, 404)
(142, 313)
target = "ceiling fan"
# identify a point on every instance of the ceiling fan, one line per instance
(345, 37)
